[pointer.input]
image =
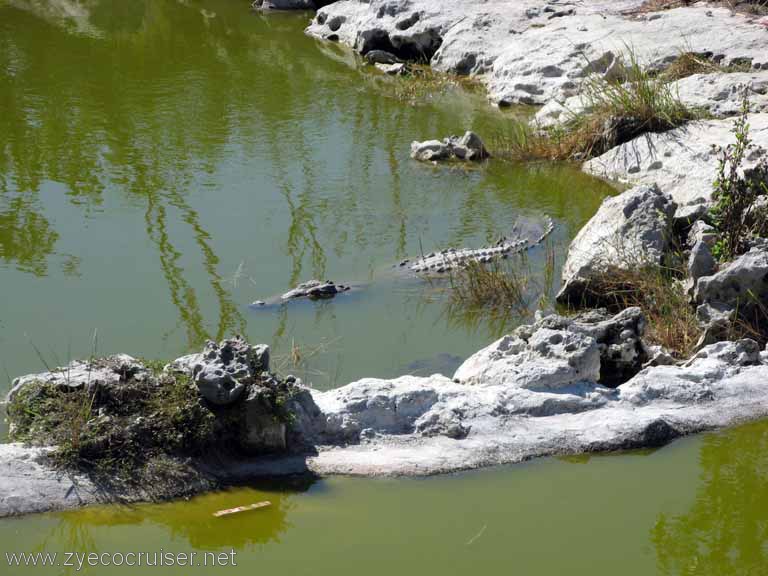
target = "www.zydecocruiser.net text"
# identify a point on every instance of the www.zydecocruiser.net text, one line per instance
(82, 560)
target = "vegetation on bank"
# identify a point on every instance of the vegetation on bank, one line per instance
(739, 217)
(740, 212)
(636, 102)
(744, 6)
(135, 434)
(660, 293)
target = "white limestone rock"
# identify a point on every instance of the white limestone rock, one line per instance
(548, 360)
(720, 94)
(223, 371)
(29, 483)
(469, 147)
(739, 285)
(109, 371)
(682, 162)
(529, 52)
(629, 231)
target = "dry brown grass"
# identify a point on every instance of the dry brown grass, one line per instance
(615, 112)
(670, 315)
(690, 63)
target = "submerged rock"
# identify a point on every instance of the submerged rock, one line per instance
(629, 231)
(382, 57)
(399, 69)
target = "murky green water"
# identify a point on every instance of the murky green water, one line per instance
(163, 164)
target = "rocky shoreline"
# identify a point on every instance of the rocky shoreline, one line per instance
(559, 386)
(562, 385)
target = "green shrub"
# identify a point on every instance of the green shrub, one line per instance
(737, 213)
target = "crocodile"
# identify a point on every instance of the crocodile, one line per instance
(451, 259)
(434, 263)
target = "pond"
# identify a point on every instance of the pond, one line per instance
(164, 164)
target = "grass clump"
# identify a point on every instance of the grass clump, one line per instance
(421, 84)
(132, 434)
(501, 286)
(493, 285)
(658, 291)
(615, 111)
(690, 63)
(738, 213)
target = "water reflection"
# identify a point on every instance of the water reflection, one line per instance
(197, 134)
(26, 236)
(726, 530)
(188, 525)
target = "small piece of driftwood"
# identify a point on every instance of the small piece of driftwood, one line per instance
(239, 509)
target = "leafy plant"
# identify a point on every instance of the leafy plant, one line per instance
(737, 213)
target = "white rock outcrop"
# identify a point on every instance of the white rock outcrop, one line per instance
(628, 231)
(740, 285)
(444, 426)
(718, 94)
(683, 162)
(29, 483)
(537, 392)
(531, 51)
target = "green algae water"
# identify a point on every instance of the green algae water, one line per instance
(165, 163)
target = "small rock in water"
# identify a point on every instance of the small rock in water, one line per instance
(468, 147)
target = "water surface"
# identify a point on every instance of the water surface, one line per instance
(164, 164)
